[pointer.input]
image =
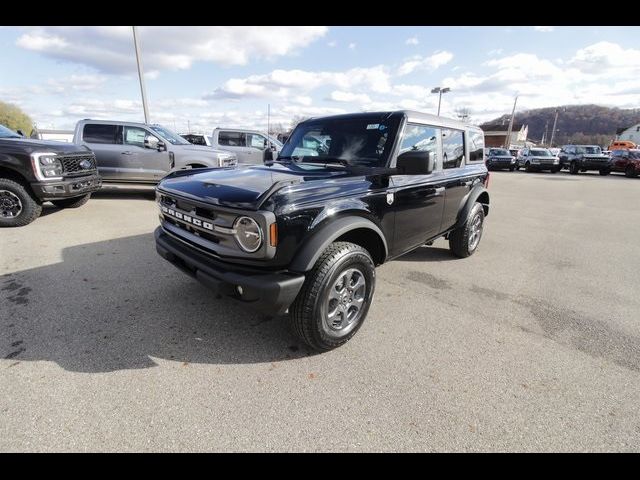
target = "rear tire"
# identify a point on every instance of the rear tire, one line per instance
(18, 207)
(74, 202)
(335, 297)
(464, 240)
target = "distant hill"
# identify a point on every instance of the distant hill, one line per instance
(576, 123)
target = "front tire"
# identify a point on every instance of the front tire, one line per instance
(573, 168)
(74, 202)
(335, 298)
(17, 205)
(630, 172)
(527, 167)
(604, 171)
(464, 241)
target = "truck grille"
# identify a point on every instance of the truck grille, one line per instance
(73, 165)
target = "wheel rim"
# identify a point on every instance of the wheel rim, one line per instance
(345, 303)
(475, 232)
(10, 204)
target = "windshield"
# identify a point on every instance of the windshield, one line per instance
(500, 152)
(6, 133)
(168, 135)
(364, 140)
(592, 150)
(541, 153)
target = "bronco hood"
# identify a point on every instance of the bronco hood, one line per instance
(242, 187)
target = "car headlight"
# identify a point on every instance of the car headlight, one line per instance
(46, 166)
(513, 160)
(556, 160)
(248, 234)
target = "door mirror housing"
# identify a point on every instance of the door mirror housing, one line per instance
(151, 142)
(416, 162)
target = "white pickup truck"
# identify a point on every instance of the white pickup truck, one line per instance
(249, 146)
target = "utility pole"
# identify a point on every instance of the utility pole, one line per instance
(507, 140)
(544, 135)
(440, 90)
(188, 126)
(143, 91)
(553, 131)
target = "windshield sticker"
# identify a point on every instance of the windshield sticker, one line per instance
(373, 126)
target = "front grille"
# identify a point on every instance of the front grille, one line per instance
(71, 164)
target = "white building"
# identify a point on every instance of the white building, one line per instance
(631, 134)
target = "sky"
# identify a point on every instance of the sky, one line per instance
(199, 78)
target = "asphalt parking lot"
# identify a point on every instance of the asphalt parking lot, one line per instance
(532, 344)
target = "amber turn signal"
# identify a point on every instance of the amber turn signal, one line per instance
(273, 234)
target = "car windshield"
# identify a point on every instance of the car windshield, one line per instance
(364, 140)
(590, 150)
(541, 153)
(6, 133)
(499, 151)
(169, 136)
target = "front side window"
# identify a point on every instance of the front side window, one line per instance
(420, 137)
(134, 136)
(365, 140)
(232, 139)
(100, 133)
(256, 141)
(452, 148)
(476, 146)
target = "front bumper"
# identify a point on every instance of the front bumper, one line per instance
(594, 165)
(269, 292)
(501, 164)
(67, 188)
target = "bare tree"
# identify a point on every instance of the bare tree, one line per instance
(297, 119)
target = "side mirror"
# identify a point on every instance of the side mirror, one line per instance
(151, 142)
(268, 155)
(416, 162)
(19, 132)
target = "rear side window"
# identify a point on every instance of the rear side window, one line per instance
(476, 146)
(232, 139)
(97, 133)
(452, 148)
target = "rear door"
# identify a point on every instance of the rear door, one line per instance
(417, 200)
(457, 178)
(106, 142)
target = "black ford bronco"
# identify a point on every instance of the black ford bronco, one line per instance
(303, 233)
(35, 171)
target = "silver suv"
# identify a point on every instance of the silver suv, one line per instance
(141, 153)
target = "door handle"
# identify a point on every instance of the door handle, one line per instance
(126, 153)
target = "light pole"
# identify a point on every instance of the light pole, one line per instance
(440, 90)
(553, 130)
(143, 91)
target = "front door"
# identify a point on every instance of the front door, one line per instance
(417, 200)
(106, 143)
(139, 162)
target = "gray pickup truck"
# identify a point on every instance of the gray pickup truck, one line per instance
(141, 153)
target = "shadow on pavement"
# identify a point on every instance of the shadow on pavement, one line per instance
(116, 304)
(428, 254)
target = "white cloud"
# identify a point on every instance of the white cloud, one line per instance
(412, 41)
(352, 46)
(599, 57)
(350, 97)
(495, 51)
(281, 83)
(332, 44)
(544, 29)
(431, 62)
(110, 49)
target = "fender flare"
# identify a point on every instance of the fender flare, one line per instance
(472, 197)
(306, 258)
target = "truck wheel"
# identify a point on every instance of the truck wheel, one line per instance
(604, 171)
(464, 240)
(74, 202)
(527, 167)
(17, 206)
(335, 297)
(630, 171)
(573, 168)
(512, 168)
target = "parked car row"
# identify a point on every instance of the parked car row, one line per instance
(574, 158)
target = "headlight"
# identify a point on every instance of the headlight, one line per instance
(46, 166)
(248, 234)
(556, 160)
(513, 160)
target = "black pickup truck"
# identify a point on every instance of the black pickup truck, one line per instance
(304, 233)
(35, 171)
